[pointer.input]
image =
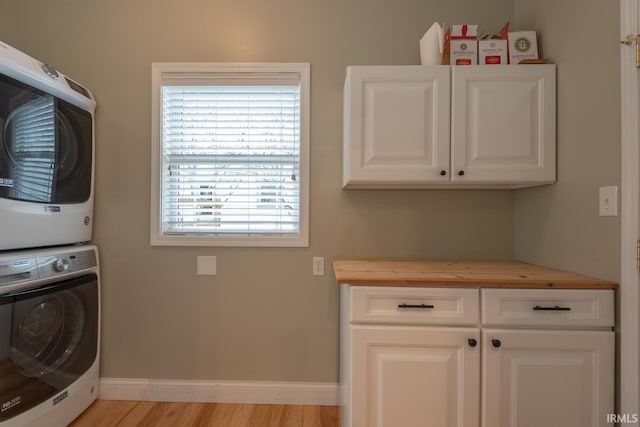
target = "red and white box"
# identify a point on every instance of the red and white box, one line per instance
(492, 51)
(464, 45)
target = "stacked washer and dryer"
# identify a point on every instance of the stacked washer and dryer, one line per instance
(49, 275)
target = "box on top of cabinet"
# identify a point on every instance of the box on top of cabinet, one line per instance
(522, 45)
(492, 51)
(461, 43)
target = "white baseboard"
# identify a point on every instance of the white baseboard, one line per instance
(275, 393)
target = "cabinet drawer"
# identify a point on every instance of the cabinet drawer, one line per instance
(548, 307)
(414, 305)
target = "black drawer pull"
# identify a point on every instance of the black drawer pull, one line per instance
(554, 308)
(415, 306)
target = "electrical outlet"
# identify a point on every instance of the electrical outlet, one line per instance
(608, 198)
(318, 266)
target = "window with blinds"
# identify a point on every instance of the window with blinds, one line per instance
(231, 154)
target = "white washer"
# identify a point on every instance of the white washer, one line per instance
(49, 335)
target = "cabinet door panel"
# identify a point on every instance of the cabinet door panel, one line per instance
(503, 124)
(396, 125)
(547, 378)
(415, 376)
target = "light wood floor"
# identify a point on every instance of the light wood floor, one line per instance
(105, 413)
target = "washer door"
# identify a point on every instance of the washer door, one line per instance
(46, 332)
(50, 341)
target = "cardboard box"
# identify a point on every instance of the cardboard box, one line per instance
(522, 45)
(464, 45)
(446, 48)
(492, 51)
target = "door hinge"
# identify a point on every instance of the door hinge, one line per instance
(628, 41)
(638, 255)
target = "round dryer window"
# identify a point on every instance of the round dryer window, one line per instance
(38, 135)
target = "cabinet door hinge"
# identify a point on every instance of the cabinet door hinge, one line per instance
(638, 255)
(628, 41)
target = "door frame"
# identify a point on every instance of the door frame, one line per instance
(629, 373)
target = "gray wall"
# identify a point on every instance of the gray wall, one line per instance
(264, 317)
(559, 226)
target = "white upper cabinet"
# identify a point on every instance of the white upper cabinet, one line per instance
(503, 124)
(449, 127)
(397, 125)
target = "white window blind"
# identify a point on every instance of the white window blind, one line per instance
(231, 145)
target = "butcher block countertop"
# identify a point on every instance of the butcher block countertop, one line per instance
(459, 273)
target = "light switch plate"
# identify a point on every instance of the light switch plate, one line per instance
(207, 266)
(608, 201)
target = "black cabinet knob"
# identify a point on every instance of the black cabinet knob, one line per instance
(443, 173)
(496, 343)
(472, 342)
(461, 173)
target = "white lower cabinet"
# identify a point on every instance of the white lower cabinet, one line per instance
(534, 378)
(548, 357)
(440, 357)
(415, 376)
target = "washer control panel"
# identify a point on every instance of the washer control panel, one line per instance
(61, 265)
(20, 267)
(17, 270)
(55, 265)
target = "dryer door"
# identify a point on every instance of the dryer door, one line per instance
(46, 146)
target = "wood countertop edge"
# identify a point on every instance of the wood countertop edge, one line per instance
(477, 284)
(531, 276)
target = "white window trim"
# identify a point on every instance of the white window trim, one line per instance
(164, 72)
